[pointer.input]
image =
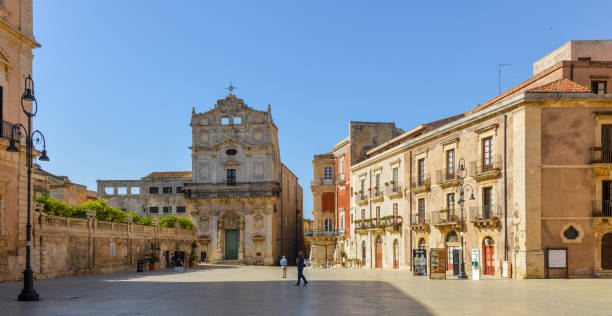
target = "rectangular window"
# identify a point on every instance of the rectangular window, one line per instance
(421, 172)
(135, 190)
(327, 172)
(109, 190)
(225, 121)
(167, 209)
(167, 190)
(153, 190)
(377, 188)
(487, 153)
(342, 168)
(362, 192)
(362, 214)
(231, 176)
(378, 213)
(181, 209)
(450, 164)
(599, 87)
(606, 197)
(487, 200)
(179, 189)
(238, 120)
(153, 209)
(421, 208)
(395, 210)
(450, 202)
(122, 190)
(394, 186)
(341, 223)
(606, 143)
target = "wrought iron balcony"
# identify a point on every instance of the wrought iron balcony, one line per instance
(361, 198)
(602, 208)
(420, 184)
(394, 189)
(598, 155)
(383, 222)
(485, 212)
(322, 233)
(445, 217)
(9, 130)
(322, 181)
(446, 177)
(481, 169)
(340, 179)
(235, 190)
(419, 219)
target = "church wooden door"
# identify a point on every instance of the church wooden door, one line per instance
(231, 244)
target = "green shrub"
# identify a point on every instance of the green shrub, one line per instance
(170, 220)
(140, 220)
(104, 212)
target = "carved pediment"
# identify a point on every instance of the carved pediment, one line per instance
(258, 237)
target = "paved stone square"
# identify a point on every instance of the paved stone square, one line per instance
(250, 290)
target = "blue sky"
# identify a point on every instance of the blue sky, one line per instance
(116, 80)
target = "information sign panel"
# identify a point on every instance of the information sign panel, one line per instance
(419, 257)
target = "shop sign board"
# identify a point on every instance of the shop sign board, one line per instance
(419, 258)
(437, 263)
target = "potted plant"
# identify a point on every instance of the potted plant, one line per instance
(192, 257)
(152, 257)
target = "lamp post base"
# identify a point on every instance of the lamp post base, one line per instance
(28, 295)
(462, 274)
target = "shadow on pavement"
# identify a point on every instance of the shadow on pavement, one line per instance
(99, 297)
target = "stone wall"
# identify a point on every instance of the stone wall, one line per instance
(63, 246)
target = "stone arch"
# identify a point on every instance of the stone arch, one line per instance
(451, 237)
(422, 243)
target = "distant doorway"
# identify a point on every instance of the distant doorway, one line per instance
(452, 252)
(363, 253)
(231, 244)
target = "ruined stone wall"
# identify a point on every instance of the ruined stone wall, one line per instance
(63, 246)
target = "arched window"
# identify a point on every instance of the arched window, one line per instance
(452, 237)
(422, 243)
(488, 241)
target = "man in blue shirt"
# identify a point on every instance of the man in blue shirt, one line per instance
(299, 260)
(283, 263)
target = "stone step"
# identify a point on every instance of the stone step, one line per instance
(231, 262)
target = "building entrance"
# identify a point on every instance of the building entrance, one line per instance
(231, 244)
(379, 252)
(452, 252)
(606, 251)
(489, 251)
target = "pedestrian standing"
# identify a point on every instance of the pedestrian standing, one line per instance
(299, 260)
(283, 264)
(172, 260)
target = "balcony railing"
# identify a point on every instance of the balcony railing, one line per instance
(485, 212)
(419, 219)
(9, 130)
(340, 178)
(420, 183)
(394, 188)
(236, 190)
(444, 217)
(600, 156)
(602, 208)
(377, 192)
(321, 233)
(361, 197)
(322, 181)
(445, 175)
(481, 167)
(386, 221)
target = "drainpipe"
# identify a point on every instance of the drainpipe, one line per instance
(410, 207)
(506, 188)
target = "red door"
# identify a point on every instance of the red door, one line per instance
(379, 253)
(489, 267)
(395, 255)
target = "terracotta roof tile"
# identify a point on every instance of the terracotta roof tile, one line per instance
(562, 85)
(168, 174)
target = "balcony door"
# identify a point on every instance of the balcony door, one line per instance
(231, 176)
(450, 164)
(487, 196)
(487, 154)
(606, 143)
(606, 196)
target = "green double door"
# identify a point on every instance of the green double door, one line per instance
(231, 244)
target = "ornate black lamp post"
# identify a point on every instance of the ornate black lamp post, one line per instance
(461, 173)
(28, 293)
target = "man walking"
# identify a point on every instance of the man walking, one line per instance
(299, 260)
(283, 264)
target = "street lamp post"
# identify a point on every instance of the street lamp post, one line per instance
(461, 173)
(28, 293)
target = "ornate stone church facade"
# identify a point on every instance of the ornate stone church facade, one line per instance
(246, 203)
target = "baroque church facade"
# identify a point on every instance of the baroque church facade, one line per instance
(246, 204)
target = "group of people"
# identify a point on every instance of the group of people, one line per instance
(300, 263)
(176, 262)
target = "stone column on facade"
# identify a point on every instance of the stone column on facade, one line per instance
(241, 240)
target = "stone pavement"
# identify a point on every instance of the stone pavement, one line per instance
(249, 290)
